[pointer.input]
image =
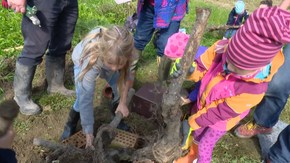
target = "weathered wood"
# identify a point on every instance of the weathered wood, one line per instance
(167, 148)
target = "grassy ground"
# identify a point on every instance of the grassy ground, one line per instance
(93, 13)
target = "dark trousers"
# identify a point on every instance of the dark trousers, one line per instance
(145, 30)
(267, 113)
(280, 151)
(58, 19)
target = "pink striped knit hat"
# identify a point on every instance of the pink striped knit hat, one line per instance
(260, 39)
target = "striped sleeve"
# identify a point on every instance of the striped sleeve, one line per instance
(230, 108)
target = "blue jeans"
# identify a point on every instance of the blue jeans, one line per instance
(280, 151)
(58, 19)
(268, 111)
(145, 30)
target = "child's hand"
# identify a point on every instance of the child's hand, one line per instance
(89, 141)
(123, 109)
(17, 5)
(7, 140)
(176, 71)
(184, 101)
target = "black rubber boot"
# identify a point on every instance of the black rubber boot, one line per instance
(122, 125)
(71, 124)
(55, 76)
(22, 89)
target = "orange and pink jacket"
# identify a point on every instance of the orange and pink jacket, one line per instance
(225, 99)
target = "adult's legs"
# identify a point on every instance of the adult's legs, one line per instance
(269, 109)
(36, 41)
(280, 151)
(61, 38)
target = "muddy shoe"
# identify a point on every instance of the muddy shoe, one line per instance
(191, 157)
(22, 89)
(251, 129)
(28, 107)
(60, 90)
(71, 124)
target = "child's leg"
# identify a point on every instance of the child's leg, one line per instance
(206, 144)
(113, 82)
(144, 29)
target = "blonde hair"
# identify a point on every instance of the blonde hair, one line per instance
(109, 43)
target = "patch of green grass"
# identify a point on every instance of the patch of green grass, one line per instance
(10, 32)
(22, 127)
(218, 17)
(54, 102)
(93, 13)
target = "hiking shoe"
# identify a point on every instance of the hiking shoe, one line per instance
(191, 156)
(251, 129)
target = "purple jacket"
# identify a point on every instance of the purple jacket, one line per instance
(166, 11)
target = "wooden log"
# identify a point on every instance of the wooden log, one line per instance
(167, 148)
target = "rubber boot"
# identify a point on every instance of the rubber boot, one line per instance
(22, 89)
(71, 124)
(55, 76)
(164, 68)
(190, 157)
(122, 125)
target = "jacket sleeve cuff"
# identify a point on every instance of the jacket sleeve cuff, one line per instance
(88, 129)
(192, 123)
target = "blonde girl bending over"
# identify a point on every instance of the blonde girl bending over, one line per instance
(106, 53)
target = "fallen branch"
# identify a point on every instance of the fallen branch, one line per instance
(221, 27)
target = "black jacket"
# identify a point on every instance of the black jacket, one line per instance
(235, 19)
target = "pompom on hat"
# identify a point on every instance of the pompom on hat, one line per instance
(258, 41)
(239, 7)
